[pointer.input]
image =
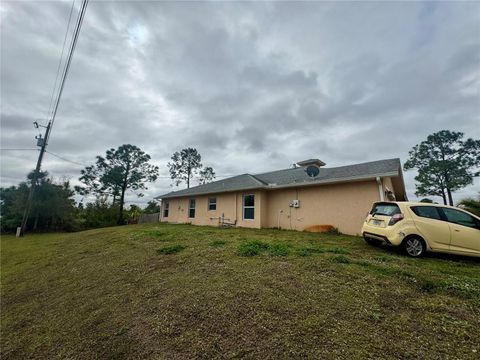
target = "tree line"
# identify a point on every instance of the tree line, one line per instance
(121, 170)
(444, 162)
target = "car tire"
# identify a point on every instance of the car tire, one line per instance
(414, 246)
(373, 242)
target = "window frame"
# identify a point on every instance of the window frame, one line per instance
(190, 208)
(248, 207)
(445, 218)
(210, 203)
(441, 216)
(166, 209)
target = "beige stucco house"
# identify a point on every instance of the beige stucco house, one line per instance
(297, 198)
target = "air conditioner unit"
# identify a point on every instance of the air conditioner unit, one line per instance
(296, 203)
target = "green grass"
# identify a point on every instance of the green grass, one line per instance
(251, 248)
(278, 249)
(167, 250)
(218, 243)
(114, 293)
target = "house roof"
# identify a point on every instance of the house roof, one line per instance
(293, 178)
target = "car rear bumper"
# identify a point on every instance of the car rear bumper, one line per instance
(376, 237)
(390, 236)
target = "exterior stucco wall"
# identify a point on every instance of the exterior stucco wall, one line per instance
(230, 205)
(343, 206)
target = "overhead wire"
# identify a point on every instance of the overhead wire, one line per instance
(60, 60)
(78, 163)
(66, 68)
(65, 159)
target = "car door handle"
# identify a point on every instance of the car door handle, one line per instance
(456, 230)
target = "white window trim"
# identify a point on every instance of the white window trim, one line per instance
(212, 203)
(190, 208)
(166, 207)
(248, 207)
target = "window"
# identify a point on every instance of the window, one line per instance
(249, 207)
(430, 212)
(212, 204)
(166, 206)
(461, 218)
(387, 209)
(191, 209)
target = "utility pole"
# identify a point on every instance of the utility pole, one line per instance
(43, 143)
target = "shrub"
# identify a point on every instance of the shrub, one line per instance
(252, 248)
(278, 249)
(171, 249)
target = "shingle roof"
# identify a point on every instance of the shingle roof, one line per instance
(292, 177)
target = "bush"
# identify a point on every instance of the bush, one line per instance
(171, 249)
(252, 248)
(278, 249)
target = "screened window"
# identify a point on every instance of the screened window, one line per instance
(212, 204)
(430, 212)
(249, 207)
(166, 206)
(461, 218)
(191, 209)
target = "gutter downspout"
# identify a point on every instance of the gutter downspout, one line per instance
(380, 188)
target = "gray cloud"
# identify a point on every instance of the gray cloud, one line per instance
(254, 86)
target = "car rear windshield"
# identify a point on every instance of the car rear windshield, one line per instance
(388, 209)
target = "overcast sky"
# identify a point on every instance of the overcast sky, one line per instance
(254, 86)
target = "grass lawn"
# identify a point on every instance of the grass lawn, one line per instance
(179, 291)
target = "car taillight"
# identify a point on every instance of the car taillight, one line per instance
(395, 218)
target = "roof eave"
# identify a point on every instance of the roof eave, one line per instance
(173, 195)
(276, 187)
(334, 181)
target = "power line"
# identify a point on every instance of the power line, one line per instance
(18, 149)
(81, 164)
(66, 69)
(60, 61)
(44, 143)
(65, 159)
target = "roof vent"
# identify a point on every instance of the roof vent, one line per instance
(314, 162)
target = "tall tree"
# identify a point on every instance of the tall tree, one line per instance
(445, 163)
(206, 175)
(152, 207)
(122, 169)
(185, 164)
(53, 207)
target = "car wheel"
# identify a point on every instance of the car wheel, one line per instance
(414, 246)
(373, 242)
